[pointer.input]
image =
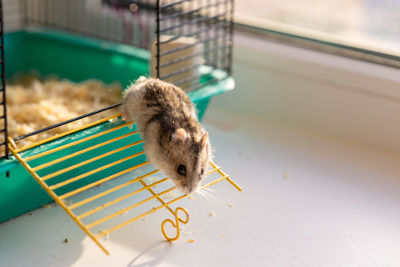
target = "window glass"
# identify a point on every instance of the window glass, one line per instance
(368, 24)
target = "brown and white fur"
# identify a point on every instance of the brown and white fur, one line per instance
(173, 137)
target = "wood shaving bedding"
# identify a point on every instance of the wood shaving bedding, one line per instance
(33, 104)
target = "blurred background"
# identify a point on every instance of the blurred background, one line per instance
(362, 23)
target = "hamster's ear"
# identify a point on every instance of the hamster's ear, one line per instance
(179, 135)
(204, 139)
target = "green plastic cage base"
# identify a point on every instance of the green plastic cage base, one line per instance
(76, 58)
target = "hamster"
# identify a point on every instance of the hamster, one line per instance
(173, 137)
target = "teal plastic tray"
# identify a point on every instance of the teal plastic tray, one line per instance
(75, 58)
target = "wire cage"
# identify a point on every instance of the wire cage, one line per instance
(174, 28)
(189, 41)
(185, 42)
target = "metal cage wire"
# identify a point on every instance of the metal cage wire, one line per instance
(188, 34)
(188, 39)
(191, 35)
(3, 116)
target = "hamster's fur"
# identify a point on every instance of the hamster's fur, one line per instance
(173, 138)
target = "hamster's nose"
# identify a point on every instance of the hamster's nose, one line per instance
(189, 189)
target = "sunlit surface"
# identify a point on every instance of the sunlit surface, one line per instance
(370, 23)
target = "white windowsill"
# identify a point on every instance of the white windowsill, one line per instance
(307, 200)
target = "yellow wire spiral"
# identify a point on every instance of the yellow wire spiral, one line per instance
(175, 224)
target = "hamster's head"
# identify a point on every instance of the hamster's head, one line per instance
(188, 160)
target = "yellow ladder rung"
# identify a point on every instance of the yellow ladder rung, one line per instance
(77, 142)
(128, 208)
(233, 183)
(86, 187)
(216, 181)
(227, 178)
(47, 164)
(64, 170)
(213, 170)
(104, 232)
(68, 132)
(121, 186)
(84, 175)
(90, 212)
(79, 190)
(154, 194)
(83, 202)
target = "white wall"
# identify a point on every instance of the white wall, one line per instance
(344, 98)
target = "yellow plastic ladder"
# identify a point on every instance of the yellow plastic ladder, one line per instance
(60, 199)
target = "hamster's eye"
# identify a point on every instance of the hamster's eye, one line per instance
(202, 171)
(181, 170)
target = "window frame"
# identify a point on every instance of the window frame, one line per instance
(315, 40)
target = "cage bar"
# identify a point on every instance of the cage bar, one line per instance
(3, 117)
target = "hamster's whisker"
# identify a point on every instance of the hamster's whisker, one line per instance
(209, 189)
(208, 196)
(204, 195)
(200, 192)
(210, 192)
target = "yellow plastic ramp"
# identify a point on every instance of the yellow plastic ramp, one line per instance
(103, 180)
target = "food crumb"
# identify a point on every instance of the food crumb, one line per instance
(190, 197)
(189, 233)
(54, 256)
(144, 219)
(222, 235)
(211, 214)
(190, 241)
(285, 175)
(229, 205)
(66, 240)
(107, 234)
(30, 213)
(46, 206)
